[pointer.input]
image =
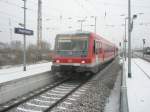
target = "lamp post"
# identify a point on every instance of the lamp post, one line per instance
(125, 39)
(143, 46)
(130, 27)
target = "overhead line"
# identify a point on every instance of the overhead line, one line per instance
(16, 5)
(14, 16)
(119, 5)
(10, 15)
(10, 3)
(81, 6)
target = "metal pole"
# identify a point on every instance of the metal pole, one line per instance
(10, 30)
(143, 46)
(39, 29)
(24, 51)
(125, 39)
(129, 38)
(95, 24)
(143, 49)
(123, 47)
(81, 25)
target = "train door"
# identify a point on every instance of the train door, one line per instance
(103, 52)
(100, 52)
(95, 52)
(114, 51)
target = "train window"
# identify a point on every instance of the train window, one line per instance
(94, 47)
(75, 44)
(100, 47)
(97, 49)
(72, 45)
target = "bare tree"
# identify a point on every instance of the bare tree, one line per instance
(12, 54)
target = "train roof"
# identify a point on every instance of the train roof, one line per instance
(84, 33)
(105, 40)
(75, 33)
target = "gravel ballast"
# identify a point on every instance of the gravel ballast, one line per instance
(96, 96)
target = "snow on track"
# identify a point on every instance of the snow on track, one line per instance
(138, 86)
(17, 72)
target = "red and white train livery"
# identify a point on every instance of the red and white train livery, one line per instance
(81, 52)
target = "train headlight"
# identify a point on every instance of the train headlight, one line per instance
(57, 61)
(83, 62)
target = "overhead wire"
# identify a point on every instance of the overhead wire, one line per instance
(10, 15)
(81, 6)
(118, 4)
(16, 5)
(13, 16)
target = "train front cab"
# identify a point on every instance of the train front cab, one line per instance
(72, 59)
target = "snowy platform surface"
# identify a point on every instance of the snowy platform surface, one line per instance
(138, 86)
(17, 72)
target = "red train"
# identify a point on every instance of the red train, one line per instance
(81, 52)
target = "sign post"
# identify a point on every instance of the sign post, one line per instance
(24, 32)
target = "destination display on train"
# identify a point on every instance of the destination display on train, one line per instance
(74, 37)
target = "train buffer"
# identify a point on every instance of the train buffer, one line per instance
(138, 86)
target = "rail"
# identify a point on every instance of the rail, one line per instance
(64, 97)
(15, 104)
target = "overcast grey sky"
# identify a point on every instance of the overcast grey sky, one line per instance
(56, 14)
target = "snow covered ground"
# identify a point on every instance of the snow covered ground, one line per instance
(138, 86)
(114, 99)
(13, 73)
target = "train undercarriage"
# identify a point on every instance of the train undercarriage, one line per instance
(65, 69)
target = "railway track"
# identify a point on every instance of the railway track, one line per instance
(145, 58)
(7, 106)
(47, 98)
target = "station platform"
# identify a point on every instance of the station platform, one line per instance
(14, 82)
(14, 73)
(138, 86)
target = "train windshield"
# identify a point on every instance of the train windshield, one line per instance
(72, 46)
